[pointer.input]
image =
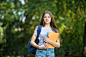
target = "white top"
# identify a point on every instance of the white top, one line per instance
(43, 32)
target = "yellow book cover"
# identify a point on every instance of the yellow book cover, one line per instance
(53, 37)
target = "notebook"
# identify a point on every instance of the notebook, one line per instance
(53, 37)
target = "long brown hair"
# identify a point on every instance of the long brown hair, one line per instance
(52, 23)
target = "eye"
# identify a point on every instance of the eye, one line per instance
(45, 17)
(49, 17)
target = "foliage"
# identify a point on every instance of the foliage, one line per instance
(18, 20)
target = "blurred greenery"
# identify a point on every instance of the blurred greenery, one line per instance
(18, 20)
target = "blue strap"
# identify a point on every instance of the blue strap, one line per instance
(46, 36)
(38, 30)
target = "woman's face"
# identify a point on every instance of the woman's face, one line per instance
(47, 18)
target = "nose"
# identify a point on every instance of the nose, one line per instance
(47, 18)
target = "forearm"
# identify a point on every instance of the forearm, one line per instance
(34, 44)
(55, 44)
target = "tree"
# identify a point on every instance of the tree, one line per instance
(19, 21)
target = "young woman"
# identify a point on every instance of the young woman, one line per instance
(48, 25)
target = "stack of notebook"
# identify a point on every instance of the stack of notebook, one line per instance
(53, 37)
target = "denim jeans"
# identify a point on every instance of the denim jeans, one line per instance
(45, 52)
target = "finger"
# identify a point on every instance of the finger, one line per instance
(43, 37)
(46, 45)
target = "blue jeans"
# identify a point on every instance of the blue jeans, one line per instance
(45, 52)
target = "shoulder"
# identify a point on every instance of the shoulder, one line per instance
(36, 27)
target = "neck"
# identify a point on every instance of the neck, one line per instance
(47, 26)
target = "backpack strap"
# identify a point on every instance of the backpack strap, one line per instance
(38, 30)
(38, 33)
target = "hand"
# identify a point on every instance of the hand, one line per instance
(46, 39)
(43, 47)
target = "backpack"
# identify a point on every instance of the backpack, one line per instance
(30, 47)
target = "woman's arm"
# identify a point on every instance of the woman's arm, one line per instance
(33, 39)
(55, 44)
(34, 44)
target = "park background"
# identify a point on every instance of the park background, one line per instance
(18, 19)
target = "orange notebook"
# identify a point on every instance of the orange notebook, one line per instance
(53, 37)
